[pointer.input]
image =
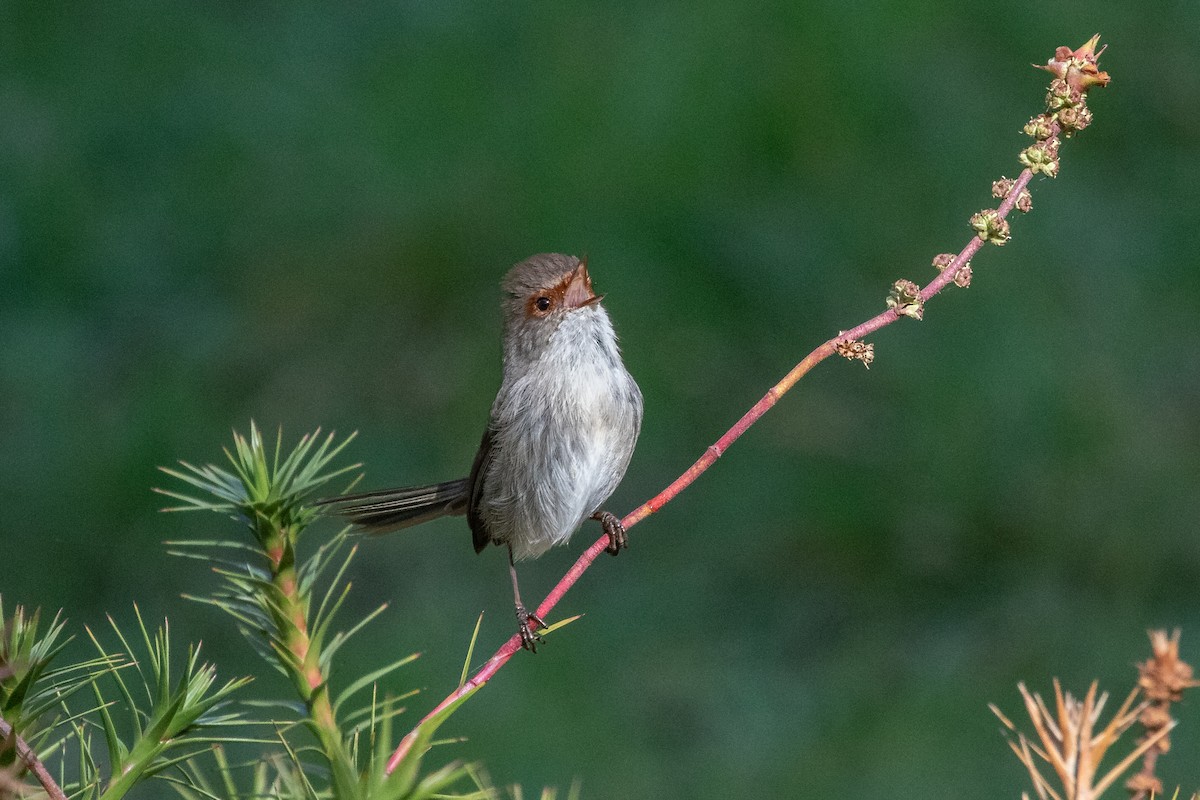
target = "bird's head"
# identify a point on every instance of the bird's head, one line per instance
(541, 294)
(549, 285)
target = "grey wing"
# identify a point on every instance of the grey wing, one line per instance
(479, 470)
(635, 396)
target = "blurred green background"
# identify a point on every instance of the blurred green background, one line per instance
(300, 214)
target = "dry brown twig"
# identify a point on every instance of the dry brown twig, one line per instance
(1069, 743)
(1067, 740)
(1162, 679)
(1075, 72)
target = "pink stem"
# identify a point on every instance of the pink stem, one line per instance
(705, 461)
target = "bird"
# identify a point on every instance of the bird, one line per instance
(558, 440)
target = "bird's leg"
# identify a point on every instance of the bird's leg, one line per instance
(527, 623)
(614, 529)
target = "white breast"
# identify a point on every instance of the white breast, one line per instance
(565, 430)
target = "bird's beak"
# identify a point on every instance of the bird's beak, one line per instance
(578, 292)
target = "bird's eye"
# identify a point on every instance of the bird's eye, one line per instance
(542, 303)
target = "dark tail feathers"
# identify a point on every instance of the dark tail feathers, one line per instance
(393, 509)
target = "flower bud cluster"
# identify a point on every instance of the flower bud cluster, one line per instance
(1001, 189)
(1075, 72)
(962, 278)
(991, 227)
(905, 298)
(1041, 157)
(856, 350)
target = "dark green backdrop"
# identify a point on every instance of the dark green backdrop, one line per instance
(299, 214)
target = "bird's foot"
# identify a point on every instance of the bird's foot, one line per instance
(528, 625)
(617, 539)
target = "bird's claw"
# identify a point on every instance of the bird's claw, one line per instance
(617, 538)
(528, 625)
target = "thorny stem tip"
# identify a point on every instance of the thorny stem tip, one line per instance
(1075, 70)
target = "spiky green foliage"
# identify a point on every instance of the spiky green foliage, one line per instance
(142, 737)
(286, 603)
(283, 777)
(32, 688)
(177, 720)
(263, 488)
(132, 712)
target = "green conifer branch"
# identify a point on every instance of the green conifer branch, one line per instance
(271, 589)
